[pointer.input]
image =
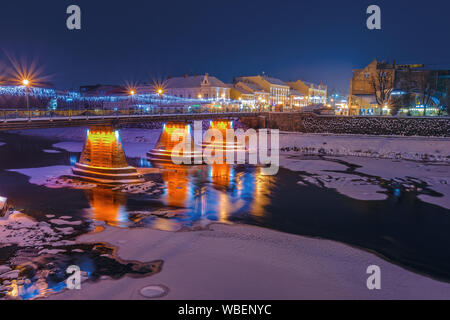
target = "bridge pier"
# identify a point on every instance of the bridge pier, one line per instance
(224, 146)
(103, 159)
(167, 150)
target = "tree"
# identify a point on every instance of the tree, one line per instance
(405, 85)
(445, 101)
(426, 88)
(382, 84)
(401, 101)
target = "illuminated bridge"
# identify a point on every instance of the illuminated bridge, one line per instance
(48, 108)
(45, 119)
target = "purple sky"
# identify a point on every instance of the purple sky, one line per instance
(129, 41)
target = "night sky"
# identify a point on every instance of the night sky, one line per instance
(130, 41)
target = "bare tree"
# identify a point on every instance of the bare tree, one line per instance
(382, 84)
(426, 88)
(445, 101)
(405, 85)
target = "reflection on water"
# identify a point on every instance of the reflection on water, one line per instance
(107, 205)
(43, 274)
(177, 185)
(190, 195)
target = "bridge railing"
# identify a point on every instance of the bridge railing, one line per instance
(21, 115)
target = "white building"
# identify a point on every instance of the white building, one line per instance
(197, 87)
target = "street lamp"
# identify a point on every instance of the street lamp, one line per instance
(132, 92)
(26, 84)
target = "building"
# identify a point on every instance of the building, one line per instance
(274, 89)
(313, 94)
(382, 88)
(197, 87)
(362, 99)
(244, 96)
(297, 99)
(338, 103)
(260, 97)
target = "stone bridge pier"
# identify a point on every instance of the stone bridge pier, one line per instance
(103, 160)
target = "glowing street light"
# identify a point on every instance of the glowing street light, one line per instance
(26, 83)
(131, 92)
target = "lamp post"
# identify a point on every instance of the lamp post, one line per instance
(132, 93)
(26, 83)
(160, 92)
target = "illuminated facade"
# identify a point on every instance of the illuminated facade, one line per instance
(362, 99)
(312, 94)
(197, 87)
(246, 97)
(277, 90)
(408, 85)
(103, 159)
(260, 97)
(297, 99)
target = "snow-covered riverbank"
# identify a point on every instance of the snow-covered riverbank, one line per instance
(429, 149)
(245, 262)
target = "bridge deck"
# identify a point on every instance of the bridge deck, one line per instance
(89, 120)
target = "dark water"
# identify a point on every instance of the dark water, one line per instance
(402, 228)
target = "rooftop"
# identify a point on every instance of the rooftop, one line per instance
(274, 81)
(195, 82)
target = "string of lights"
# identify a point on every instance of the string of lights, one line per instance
(69, 96)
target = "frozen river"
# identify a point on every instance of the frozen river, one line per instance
(334, 198)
